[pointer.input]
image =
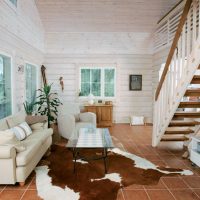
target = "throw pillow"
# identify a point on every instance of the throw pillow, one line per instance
(8, 138)
(39, 126)
(35, 119)
(22, 131)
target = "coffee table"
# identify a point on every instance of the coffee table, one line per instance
(91, 138)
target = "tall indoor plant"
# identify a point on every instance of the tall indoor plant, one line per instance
(48, 103)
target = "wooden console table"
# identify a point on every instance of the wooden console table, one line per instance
(103, 112)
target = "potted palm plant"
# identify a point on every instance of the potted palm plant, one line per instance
(48, 103)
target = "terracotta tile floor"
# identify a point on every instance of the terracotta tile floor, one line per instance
(137, 140)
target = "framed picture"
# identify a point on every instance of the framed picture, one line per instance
(135, 82)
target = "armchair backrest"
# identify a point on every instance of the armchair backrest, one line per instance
(69, 108)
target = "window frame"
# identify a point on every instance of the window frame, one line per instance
(37, 76)
(102, 67)
(12, 70)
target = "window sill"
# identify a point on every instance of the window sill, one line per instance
(98, 98)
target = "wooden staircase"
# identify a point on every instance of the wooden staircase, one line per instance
(183, 122)
(176, 99)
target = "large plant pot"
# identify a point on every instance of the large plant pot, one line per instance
(56, 136)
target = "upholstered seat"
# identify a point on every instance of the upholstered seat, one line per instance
(70, 120)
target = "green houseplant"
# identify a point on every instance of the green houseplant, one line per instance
(47, 104)
(29, 107)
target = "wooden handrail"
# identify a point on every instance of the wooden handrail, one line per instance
(174, 45)
(170, 11)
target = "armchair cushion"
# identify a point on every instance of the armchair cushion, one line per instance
(88, 117)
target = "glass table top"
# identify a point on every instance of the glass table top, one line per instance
(92, 138)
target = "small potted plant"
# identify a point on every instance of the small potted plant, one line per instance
(29, 107)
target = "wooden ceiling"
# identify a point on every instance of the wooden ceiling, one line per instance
(102, 15)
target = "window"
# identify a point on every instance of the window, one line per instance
(14, 2)
(98, 81)
(31, 82)
(5, 86)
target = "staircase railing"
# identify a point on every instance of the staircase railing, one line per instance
(179, 69)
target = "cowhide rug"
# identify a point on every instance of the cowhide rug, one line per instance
(58, 182)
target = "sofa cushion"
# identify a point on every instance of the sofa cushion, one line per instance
(23, 158)
(33, 143)
(3, 125)
(40, 135)
(15, 120)
(8, 138)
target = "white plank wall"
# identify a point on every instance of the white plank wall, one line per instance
(127, 102)
(21, 38)
(23, 21)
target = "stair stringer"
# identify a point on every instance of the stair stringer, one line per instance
(192, 65)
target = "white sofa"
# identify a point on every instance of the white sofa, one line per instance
(16, 167)
(70, 120)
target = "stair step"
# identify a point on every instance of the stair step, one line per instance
(174, 138)
(190, 104)
(196, 79)
(193, 92)
(178, 130)
(180, 123)
(185, 114)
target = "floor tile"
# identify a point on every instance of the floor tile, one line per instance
(120, 195)
(174, 183)
(32, 184)
(193, 182)
(197, 192)
(160, 195)
(134, 187)
(11, 194)
(31, 195)
(135, 194)
(185, 194)
(160, 185)
(2, 187)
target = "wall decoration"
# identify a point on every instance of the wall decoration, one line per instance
(61, 83)
(20, 69)
(43, 68)
(135, 82)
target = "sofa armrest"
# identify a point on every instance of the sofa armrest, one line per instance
(7, 151)
(88, 117)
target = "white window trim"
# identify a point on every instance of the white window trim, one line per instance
(37, 76)
(99, 66)
(12, 71)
